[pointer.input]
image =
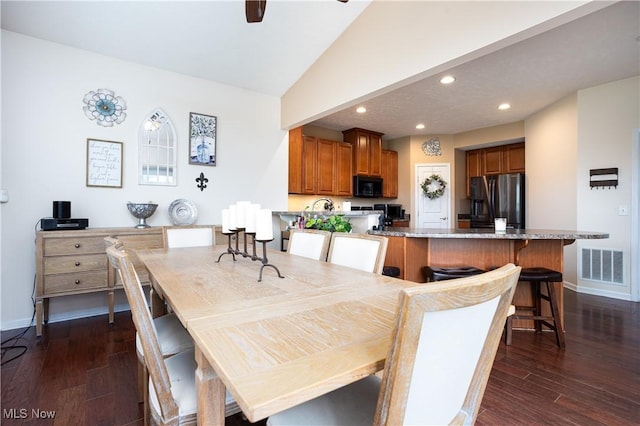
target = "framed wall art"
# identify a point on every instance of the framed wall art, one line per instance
(202, 139)
(104, 163)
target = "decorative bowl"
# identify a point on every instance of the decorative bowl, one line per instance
(142, 211)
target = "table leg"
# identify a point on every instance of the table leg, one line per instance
(210, 393)
(158, 308)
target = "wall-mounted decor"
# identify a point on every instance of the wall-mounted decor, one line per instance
(601, 178)
(105, 107)
(157, 150)
(202, 182)
(432, 147)
(202, 139)
(104, 163)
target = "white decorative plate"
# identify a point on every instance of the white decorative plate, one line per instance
(183, 212)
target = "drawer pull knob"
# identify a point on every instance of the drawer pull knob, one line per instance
(77, 245)
(77, 282)
(77, 263)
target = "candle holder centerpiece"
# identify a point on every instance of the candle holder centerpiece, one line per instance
(251, 221)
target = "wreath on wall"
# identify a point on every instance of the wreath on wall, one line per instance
(433, 187)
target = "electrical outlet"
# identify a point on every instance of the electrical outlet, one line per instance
(4, 196)
(623, 210)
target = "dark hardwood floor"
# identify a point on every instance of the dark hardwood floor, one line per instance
(85, 372)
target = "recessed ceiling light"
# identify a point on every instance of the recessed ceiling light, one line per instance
(447, 79)
(504, 106)
(420, 126)
(361, 110)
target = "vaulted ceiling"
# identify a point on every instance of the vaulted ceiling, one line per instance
(213, 41)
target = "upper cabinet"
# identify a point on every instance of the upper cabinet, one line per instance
(318, 166)
(389, 174)
(495, 160)
(367, 151)
(514, 158)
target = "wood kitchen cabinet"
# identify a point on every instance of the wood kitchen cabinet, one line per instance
(74, 262)
(495, 160)
(326, 164)
(295, 160)
(514, 158)
(492, 163)
(344, 170)
(367, 151)
(319, 166)
(389, 174)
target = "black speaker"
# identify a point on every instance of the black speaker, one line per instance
(62, 209)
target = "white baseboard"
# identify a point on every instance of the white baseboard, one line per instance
(26, 322)
(597, 292)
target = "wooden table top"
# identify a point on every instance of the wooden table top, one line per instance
(282, 341)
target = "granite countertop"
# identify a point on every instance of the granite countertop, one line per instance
(509, 234)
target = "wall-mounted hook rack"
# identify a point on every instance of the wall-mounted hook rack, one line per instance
(603, 178)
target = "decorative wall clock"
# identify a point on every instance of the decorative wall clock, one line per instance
(103, 106)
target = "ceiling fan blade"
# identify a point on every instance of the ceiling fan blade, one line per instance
(254, 10)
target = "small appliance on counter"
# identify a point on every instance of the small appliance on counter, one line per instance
(61, 219)
(391, 212)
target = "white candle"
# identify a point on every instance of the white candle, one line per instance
(250, 225)
(233, 215)
(241, 213)
(225, 221)
(264, 225)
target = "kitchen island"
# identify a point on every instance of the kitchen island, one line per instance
(361, 220)
(410, 249)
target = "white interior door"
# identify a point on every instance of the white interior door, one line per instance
(433, 213)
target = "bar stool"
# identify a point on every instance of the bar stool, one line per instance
(538, 276)
(391, 271)
(433, 273)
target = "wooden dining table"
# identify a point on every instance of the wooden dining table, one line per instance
(279, 342)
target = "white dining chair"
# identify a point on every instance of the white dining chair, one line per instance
(360, 251)
(444, 342)
(311, 243)
(171, 390)
(188, 236)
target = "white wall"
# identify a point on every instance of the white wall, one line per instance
(591, 129)
(551, 148)
(44, 132)
(608, 116)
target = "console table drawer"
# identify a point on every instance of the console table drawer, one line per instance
(74, 245)
(65, 264)
(76, 283)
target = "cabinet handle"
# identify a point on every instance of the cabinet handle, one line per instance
(77, 282)
(77, 263)
(77, 245)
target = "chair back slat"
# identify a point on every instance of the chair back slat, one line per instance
(311, 243)
(146, 331)
(360, 251)
(188, 236)
(444, 342)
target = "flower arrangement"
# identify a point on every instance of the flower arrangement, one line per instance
(333, 223)
(433, 186)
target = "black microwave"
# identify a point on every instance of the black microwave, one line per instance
(367, 187)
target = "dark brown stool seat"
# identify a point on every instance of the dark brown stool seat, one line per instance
(537, 277)
(432, 273)
(391, 271)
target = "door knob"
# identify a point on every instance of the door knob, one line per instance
(443, 218)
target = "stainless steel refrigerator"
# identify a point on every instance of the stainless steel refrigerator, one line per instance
(497, 196)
